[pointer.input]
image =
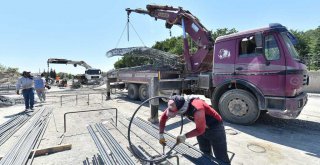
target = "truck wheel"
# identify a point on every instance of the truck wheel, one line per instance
(50, 81)
(239, 106)
(143, 92)
(133, 91)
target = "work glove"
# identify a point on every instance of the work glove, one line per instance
(18, 92)
(162, 140)
(181, 139)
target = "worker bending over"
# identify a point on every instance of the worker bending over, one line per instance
(209, 129)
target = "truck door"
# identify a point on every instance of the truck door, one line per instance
(261, 62)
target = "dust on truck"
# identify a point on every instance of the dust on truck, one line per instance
(243, 73)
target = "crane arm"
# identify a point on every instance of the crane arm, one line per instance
(65, 61)
(201, 60)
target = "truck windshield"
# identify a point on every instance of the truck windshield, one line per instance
(92, 72)
(290, 46)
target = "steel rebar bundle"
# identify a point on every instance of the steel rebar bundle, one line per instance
(29, 140)
(96, 160)
(139, 150)
(121, 156)
(160, 59)
(8, 128)
(102, 150)
(191, 153)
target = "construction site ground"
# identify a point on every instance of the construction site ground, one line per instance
(268, 141)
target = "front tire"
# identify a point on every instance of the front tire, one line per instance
(239, 106)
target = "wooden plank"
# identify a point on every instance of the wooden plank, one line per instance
(49, 150)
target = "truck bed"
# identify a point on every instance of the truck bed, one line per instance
(142, 74)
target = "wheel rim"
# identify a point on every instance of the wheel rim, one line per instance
(130, 93)
(144, 93)
(238, 107)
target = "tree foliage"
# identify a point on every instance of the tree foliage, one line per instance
(130, 61)
(2, 68)
(222, 32)
(308, 47)
(9, 69)
(172, 45)
(64, 75)
(303, 46)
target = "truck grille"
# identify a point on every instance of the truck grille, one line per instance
(94, 76)
(305, 79)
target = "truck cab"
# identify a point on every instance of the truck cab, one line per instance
(258, 69)
(92, 75)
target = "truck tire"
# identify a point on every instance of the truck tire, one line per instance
(239, 106)
(143, 92)
(133, 91)
(50, 81)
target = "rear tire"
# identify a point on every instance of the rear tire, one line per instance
(50, 81)
(133, 91)
(143, 92)
(239, 106)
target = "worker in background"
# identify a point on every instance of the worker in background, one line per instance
(209, 129)
(39, 85)
(26, 84)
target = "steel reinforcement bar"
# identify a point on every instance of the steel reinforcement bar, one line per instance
(19, 153)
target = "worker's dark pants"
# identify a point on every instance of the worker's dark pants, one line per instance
(28, 96)
(214, 139)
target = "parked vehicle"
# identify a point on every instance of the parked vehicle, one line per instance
(91, 75)
(243, 73)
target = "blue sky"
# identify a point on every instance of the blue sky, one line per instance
(33, 31)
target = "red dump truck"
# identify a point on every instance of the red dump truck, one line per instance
(243, 73)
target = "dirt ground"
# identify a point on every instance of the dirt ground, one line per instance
(268, 141)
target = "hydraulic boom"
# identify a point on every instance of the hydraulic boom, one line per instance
(201, 60)
(65, 61)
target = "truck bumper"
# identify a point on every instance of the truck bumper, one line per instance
(293, 107)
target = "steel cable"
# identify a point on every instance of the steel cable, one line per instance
(158, 159)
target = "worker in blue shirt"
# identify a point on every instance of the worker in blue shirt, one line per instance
(39, 85)
(26, 84)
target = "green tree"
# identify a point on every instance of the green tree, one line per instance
(70, 76)
(51, 74)
(302, 47)
(130, 61)
(54, 74)
(2, 68)
(12, 70)
(316, 55)
(45, 73)
(173, 45)
(221, 32)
